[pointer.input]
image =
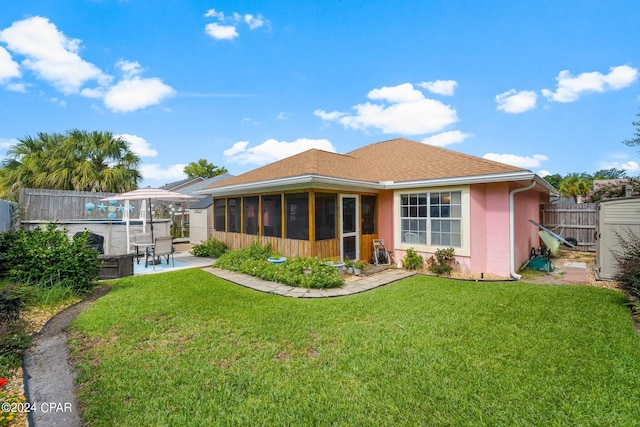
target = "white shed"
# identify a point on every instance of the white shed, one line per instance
(614, 217)
(200, 220)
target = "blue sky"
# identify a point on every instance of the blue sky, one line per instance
(551, 86)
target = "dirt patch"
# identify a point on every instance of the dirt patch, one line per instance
(560, 263)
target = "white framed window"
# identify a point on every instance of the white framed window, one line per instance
(431, 218)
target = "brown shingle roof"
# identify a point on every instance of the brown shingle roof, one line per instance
(394, 160)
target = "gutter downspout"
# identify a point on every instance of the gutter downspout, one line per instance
(512, 237)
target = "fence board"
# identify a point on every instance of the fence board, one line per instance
(577, 220)
(7, 215)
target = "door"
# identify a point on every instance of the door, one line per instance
(349, 227)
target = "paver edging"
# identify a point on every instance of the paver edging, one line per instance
(366, 283)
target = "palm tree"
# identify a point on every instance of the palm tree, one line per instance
(79, 160)
(102, 162)
(574, 185)
(26, 165)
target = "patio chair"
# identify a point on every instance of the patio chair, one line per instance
(162, 247)
(142, 240)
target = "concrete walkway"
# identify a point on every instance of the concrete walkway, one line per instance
(49, 378)
(575, 272)
(351, 287)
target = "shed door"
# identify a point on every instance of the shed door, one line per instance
(614, 217)
(349, 227)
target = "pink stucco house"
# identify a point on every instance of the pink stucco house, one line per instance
(410, 194)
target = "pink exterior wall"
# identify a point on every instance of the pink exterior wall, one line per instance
(385, 218)
(527, 206)
(490, 229)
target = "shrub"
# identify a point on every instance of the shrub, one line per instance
(13, 335)
(46, 257)
(614, 190)
(253, 261)
(211, 248)
(441, 264)
(628, 262)
(7, 240)
(413, 261)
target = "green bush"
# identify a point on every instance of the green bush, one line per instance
(13, 335)
(413, 261)
(441, 264)
(46, 257)
(253, 261)
(628, 263)
(7, 240)
(210, 248)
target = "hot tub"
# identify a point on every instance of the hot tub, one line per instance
(114, 231)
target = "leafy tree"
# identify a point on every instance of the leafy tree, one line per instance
(554, 179)
(204, 169)
(612, 173)
(636, 140)
(78, 160)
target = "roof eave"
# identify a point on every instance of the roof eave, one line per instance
(310, 181)
(473, 179)
(294, 182)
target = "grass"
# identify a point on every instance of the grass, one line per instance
(187, 348)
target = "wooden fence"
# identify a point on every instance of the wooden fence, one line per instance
(55, 205)
(577, 220)
(8, 215)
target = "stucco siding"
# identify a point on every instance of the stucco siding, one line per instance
(526, 207)
(490, 229)
(385, 218)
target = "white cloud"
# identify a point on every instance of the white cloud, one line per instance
(332, 116)
(227, 27)
(60, 102)
(272, 150)
(284, 115)
(406, 111)
(17, 87)
(155, 171)
(54, 58)
(6, 143)
(516, 102)
(544, 173)
(447, 138)
(212, 13)
(519, 161)
(138, 145)
(50, 55)
(133, 92)
(440, 87)
(570, 88)
(254, 21)
(8, 67)
(238, 147)
(632, 167)
(221, 32)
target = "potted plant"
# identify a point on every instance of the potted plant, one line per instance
(358, 266)
(336, 263)
(276, 258)
(348, 265)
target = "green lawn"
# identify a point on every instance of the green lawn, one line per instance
(187, 348)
